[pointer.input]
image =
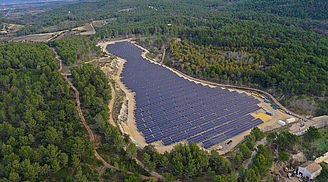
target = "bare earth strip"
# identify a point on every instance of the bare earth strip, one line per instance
(130, 126)
(111, 102)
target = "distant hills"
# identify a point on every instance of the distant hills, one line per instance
(9, 2)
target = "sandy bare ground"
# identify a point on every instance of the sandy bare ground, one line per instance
(86, 29)
(130, 126)
(129, 94)
(111, 104)
(113, 93)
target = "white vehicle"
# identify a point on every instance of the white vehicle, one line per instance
(282, 123)
(290, 120)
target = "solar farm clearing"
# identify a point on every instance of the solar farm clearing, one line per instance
(171, 109)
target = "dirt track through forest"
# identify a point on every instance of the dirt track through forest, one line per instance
(111, 104)
(91, 135)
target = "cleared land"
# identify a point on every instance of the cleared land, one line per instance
(87, 29)
(45, 37)
(130, 126)
(172, 109)
(10, 28)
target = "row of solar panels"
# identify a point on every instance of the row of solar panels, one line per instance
(179, 95)
(172, 89)
(215, 131)
(186, 95)
(184, 104)
(157, 78)
(171, 109)
(157, 85)
(220, 138)
(220, 109)
(170, 100)
(172, 82)
(209, 134)
(198, 126)
(169, 89)
(207, 102)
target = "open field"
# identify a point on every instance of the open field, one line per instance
(10, 28)
(85, 30)
(45, 37)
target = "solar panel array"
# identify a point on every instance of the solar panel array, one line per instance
(171, 108)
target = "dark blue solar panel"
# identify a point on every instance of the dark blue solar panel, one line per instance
(220, 138)
(167, 141)
(147, 132)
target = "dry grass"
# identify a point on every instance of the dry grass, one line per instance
(10, 28)
(86, 29)
(62, 25)
(33, 38)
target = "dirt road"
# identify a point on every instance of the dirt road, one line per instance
(163, 55)
(90, 133)
(60, 62)
(78, 104)
(111, 104)
(113, 93)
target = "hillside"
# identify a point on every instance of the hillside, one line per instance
(72, 109)
(316, 10)
(39, 121)
(127, 11)
(8, 2)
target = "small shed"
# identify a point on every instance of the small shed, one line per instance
(309, 170)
